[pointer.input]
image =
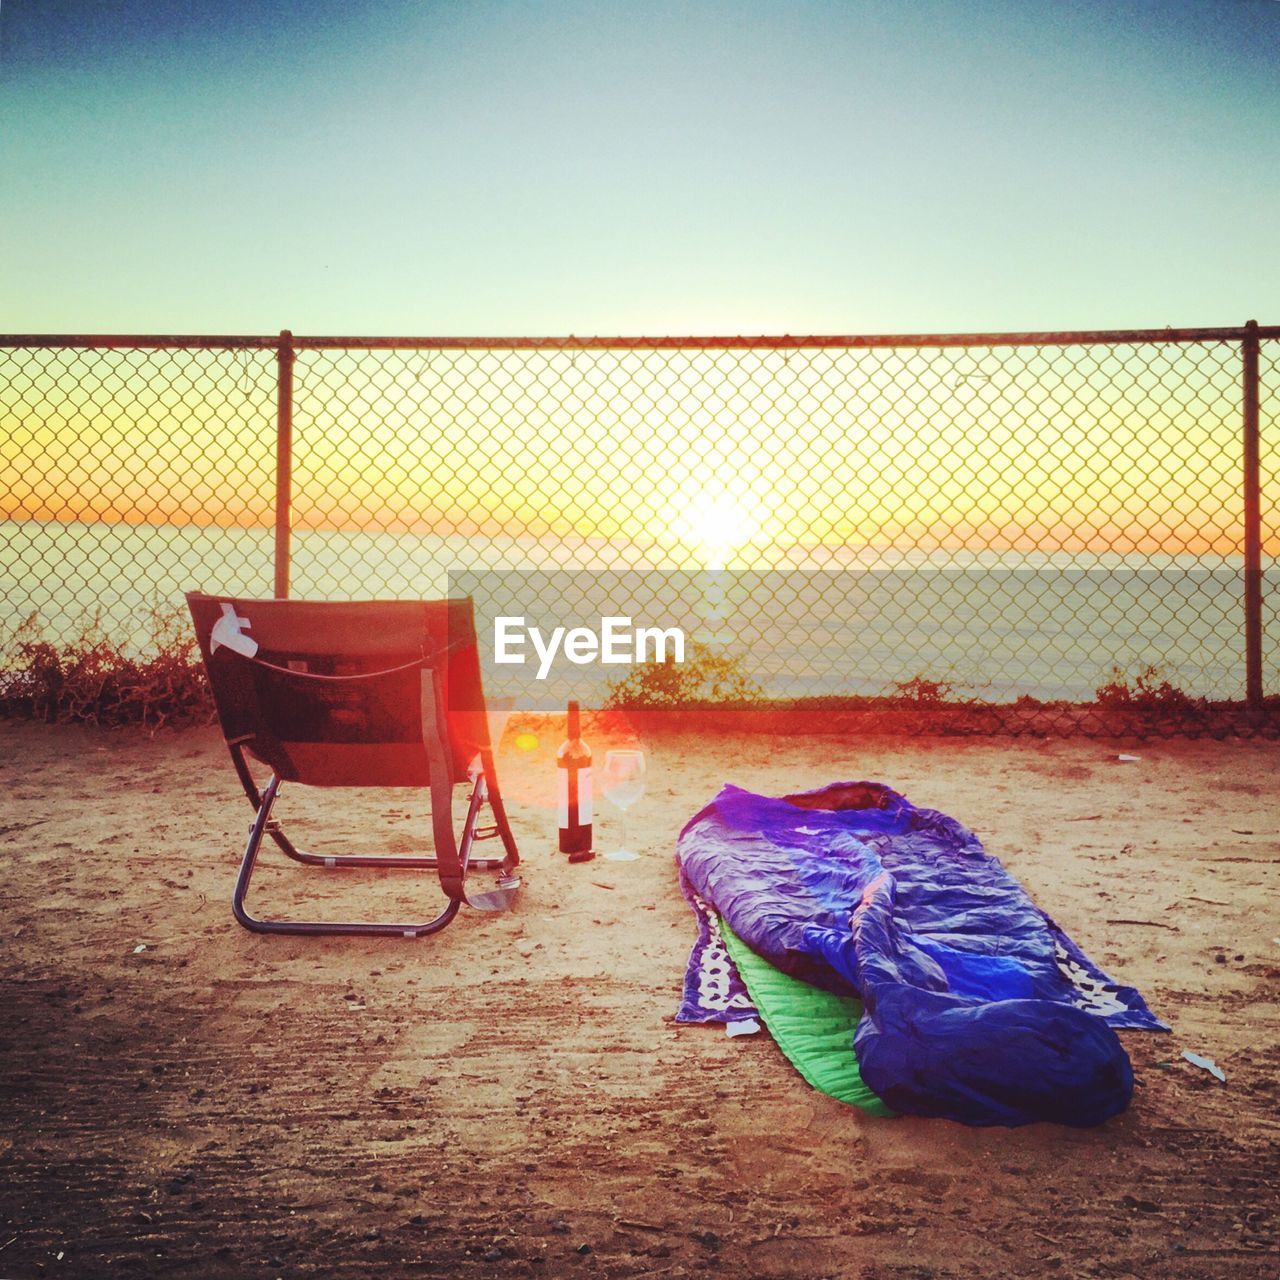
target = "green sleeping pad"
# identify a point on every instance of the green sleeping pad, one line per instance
(814, 1028)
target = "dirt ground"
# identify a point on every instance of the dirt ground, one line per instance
(511, 1097)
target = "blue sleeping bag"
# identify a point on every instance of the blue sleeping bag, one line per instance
(977, 1006)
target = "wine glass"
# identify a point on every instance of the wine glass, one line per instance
(623, 785)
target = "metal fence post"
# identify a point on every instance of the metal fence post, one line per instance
(1252, 529)
(284, 459)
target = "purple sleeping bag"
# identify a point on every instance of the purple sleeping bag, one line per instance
(977, 1006)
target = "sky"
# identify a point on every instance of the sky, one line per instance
(504, 168)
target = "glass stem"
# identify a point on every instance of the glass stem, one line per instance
(622, 816)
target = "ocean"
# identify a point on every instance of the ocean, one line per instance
(815, 620)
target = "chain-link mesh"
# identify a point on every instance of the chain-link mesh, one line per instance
(128, 476)
(995, 520)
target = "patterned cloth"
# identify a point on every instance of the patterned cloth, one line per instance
(713, 988)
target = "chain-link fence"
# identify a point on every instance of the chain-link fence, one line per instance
(982, 518)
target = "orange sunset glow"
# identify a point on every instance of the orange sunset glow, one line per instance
(699, 456)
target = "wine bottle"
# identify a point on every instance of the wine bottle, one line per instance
(573, 787)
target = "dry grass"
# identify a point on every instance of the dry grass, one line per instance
(99, 679)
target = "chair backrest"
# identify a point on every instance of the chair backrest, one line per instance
(364, 724)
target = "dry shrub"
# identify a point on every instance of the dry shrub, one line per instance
(98, 679)
(922, 692)
(1149, 703)
(705, 678)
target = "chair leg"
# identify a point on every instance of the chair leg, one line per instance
(499, 810)
(502, 895)
(313, 927)
(290, 850)
(453, 869)
(467, 841)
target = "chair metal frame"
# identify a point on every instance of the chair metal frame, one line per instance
(453, 859)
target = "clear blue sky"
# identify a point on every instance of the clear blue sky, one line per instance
(402, 167)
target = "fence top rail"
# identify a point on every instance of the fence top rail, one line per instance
(1048, 338)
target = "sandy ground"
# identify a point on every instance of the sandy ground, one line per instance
(512, 1098)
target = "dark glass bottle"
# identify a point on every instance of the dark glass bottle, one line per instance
(573, 791)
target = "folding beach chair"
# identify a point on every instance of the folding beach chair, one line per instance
(365, 694)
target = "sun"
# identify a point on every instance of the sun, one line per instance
(715, 525)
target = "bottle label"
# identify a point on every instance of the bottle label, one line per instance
(583, 780)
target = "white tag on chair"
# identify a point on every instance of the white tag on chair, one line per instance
(228, 631)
